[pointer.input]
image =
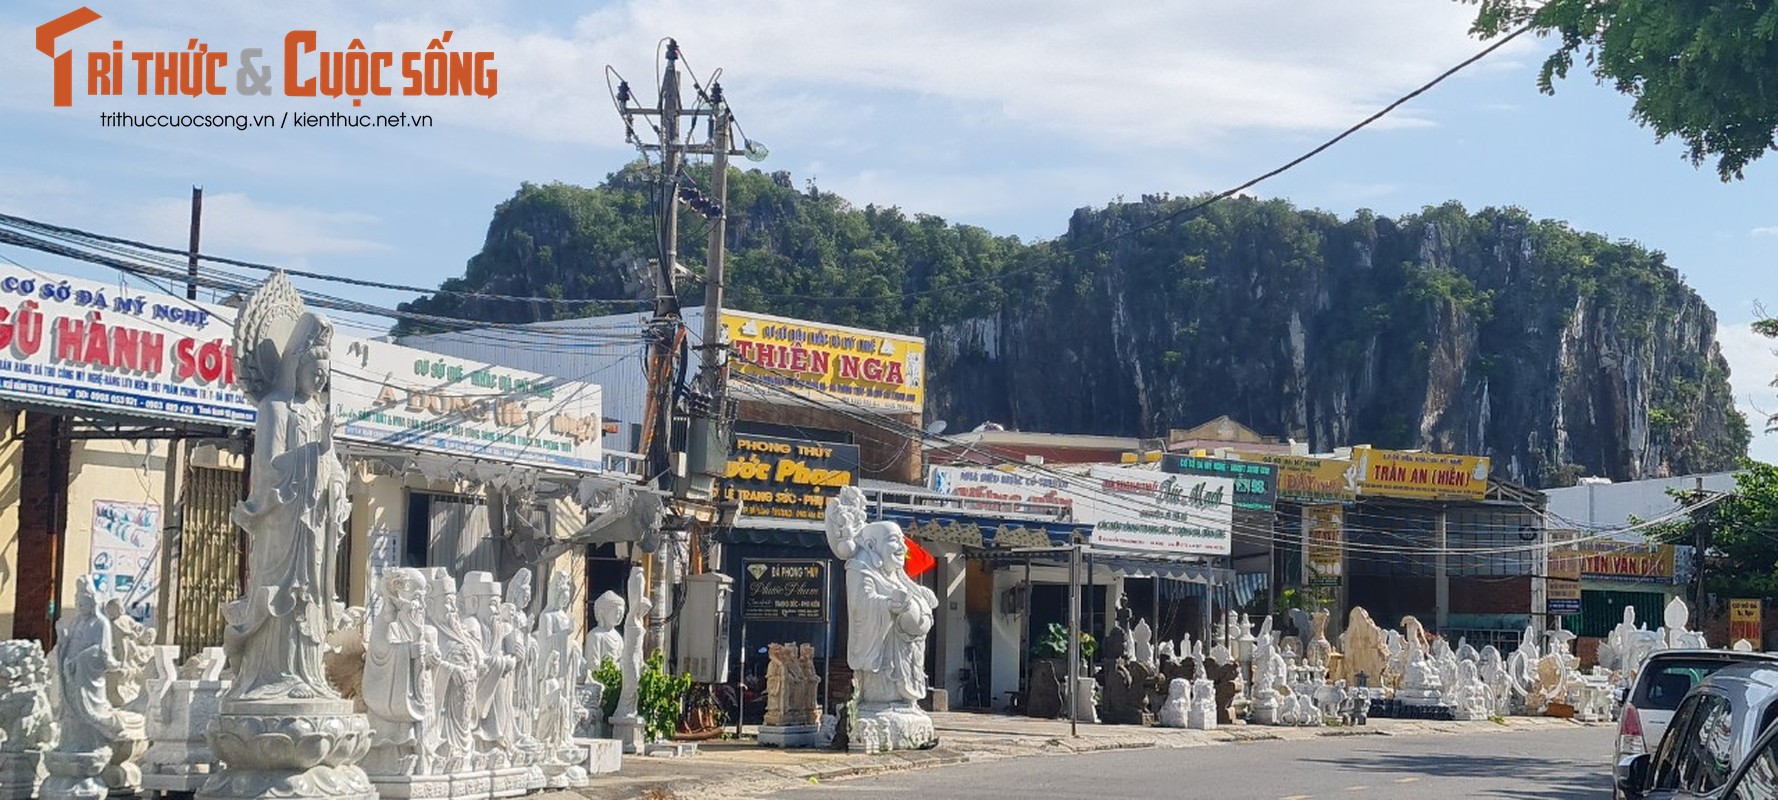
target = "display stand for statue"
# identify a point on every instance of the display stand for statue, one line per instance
(85, 716)
(889, 617)
(27, 722)
(793, 713)
(179, 715)
(283, 730)
(627, 726)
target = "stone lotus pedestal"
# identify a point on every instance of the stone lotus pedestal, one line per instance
(21, 774)
(75, 775)
(882, 728)
(306, 749)
(179, 757)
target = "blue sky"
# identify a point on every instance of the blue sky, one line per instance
(1009, 121)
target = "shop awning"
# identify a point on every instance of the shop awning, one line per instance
(1190, 569)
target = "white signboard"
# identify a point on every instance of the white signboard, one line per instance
(1131, 509)
(1015, 486)
(66, 342)
(418, 400)
(1158, 512)
(74, 343)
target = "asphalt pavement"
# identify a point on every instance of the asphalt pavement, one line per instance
(1557, 763)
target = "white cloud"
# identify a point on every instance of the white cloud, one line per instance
(1768, 230)
(237, 225)
(1752, 366)
(1162, 74)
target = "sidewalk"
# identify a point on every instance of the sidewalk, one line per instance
(741, 768)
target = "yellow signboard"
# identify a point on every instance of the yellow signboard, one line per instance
(1562, 587)
(1309, 480)
(1627, 563)
(1325, 540)
(828, 362)
(1420, 476)
(1744, 622)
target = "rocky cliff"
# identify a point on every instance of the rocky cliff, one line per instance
(1557, 353)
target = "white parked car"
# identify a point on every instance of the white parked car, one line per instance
(1665, 679)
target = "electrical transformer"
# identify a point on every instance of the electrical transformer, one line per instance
(702, 646)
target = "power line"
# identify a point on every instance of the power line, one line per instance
(1203, 204)
(63, 231)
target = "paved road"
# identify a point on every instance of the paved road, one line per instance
(1553, 764)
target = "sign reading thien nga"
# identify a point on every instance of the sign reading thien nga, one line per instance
(828, 362)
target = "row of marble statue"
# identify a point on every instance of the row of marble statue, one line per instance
(465, 697)
(1270, 679)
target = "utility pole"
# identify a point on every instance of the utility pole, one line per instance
(172, 556)
(689, 468)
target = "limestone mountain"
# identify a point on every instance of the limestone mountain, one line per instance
(1555, 351)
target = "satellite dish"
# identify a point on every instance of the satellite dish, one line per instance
(755, 152)
(937, 427)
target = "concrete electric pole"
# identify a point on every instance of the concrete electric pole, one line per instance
(691, 467)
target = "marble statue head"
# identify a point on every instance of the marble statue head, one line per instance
(560, 591)
(480, 593)
(884, 543)
(518, 589)
(608, 610)
(404, 587)
(86, 597)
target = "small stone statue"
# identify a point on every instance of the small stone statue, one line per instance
(606, 639)
(557, 700)
(494, 692)
(88, 722)
(1346, 711)
(889, 617)
(458, 671)
(515, 620)
(1142, 642)
(133, 646)
(1174, 711)
(400, 660)
(1202, 715)
(626, 724)
(27, 724)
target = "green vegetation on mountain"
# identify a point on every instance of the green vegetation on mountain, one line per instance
(1558, 352)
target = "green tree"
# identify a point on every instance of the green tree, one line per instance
(1740, 532)
(1700, 70)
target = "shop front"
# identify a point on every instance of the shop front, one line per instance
(130, 448)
